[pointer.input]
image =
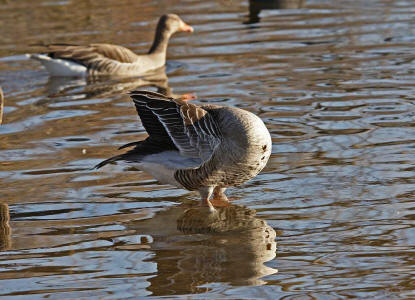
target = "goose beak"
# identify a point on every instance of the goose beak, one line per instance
(186, 28)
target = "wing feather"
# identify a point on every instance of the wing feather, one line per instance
(191, 128)
(84, 54)
(102, 58)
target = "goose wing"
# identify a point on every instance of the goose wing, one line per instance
(192, 129)
(90, 54)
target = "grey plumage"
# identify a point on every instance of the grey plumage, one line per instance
(218, 146)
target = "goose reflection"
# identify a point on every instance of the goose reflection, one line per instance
(103, 87)
(230, 245)
(237, 250)
(5, 230)
(255, 7)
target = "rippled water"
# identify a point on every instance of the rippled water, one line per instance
(333, 81)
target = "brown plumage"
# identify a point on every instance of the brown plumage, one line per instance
(87, 54)
(108, 59)
(205, 148)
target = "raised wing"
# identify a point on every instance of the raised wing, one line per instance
(191, 128)
(150, 121)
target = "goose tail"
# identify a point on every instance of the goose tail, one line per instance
(109, 160)
(60, 67)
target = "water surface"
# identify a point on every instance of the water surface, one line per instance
(332, 80)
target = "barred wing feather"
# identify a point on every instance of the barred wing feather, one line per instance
(88, 54)
(191, 128)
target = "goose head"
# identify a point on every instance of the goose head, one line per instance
(172, 23)
(166, 27)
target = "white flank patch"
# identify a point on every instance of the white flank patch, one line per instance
(60, 67)
(163, 165)
(172, 160)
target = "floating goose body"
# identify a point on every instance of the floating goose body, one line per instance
(107, 59)
(205, 148)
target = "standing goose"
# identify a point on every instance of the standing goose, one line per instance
(107, 59)
(205, 148)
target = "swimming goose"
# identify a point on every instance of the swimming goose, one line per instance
(205, 148)
(107, 59)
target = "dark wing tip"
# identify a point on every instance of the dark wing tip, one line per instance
(107, 161)
(141, 97)
(128, 145)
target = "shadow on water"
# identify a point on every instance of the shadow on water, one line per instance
(256, 6)
(206, 248)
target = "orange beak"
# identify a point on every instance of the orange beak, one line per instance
(186, 28)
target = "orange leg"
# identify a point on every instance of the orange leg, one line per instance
(219, 193)
(219, 197)
(205, 193)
